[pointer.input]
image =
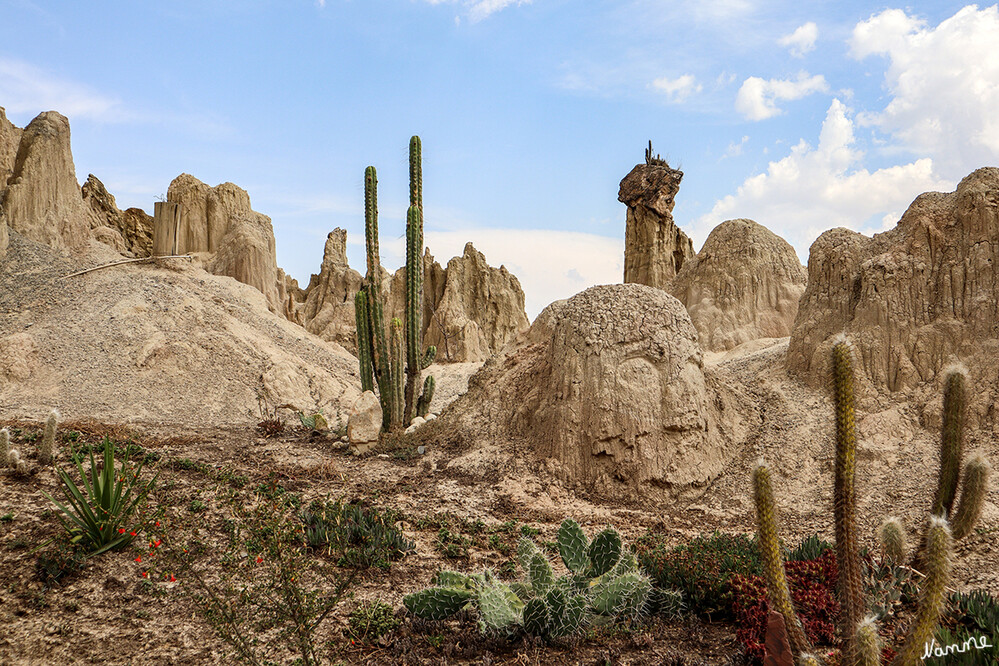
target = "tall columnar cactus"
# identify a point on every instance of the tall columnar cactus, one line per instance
(46, 449)
(893, 541)
(773, 562)
(951, 440)
(364, 350)
(395, 374)
(4, 447)
(974, 486)
(379, 344)
(397, 387)
(851, 584)
(932, 594)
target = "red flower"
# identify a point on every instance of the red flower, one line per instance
(157, 524)
(145, 574)
(121, 530)
(172, 579)
(139, 558)
(158, 542)
(259, 560)
(132, 533)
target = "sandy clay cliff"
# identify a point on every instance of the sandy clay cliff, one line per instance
(175, 340)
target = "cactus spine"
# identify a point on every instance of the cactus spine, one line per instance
(851, 590)
(932, 594)
(973, 489)
(773, 563)
(4, 447)
(46, 450)
(364, 351)
(950, 443)
(893, 542)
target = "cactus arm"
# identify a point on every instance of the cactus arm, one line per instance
(851, 590)
(5, 457)
(951, 438)
(414, 307)
(932, 594)
(423, 404)
(362, 321)
(396, 378)
(974, 487)
(429, 357)
(868, 643)
(773, 564)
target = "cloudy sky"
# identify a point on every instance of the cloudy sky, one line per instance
(801, 115)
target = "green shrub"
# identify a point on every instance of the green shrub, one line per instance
(357, 536)
(702, 569)
(371, 620)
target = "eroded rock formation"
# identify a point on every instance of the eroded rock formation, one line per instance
(129, 231)
(655, 249)
(609, 385)
(743, 285)
(480, 311)
(10, 137)
(470, 309)
(42, 200)
(239, 242)
(912, 299)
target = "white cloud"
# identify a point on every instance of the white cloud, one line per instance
(735, 149)
(802, 40)
(482, 9)
(25, 88)
(679, 89)
(942, 81)
(549, 264)
(757, 98)
(815, 189)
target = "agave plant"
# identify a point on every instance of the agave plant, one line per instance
(97, 515)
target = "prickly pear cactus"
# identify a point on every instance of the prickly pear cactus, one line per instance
(572, 546)
(437, 603)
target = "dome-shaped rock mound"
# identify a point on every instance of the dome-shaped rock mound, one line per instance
(610, 385)
(913, 299)
(743, 285)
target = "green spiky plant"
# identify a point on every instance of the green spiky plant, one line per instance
(951, 442)
(46, 449)
(974, 486)
(773, 563)
(932, 594)
(604, 584)
(851, 583)
(397, 389)
(891, 534)
(868, 642)
(364, 349)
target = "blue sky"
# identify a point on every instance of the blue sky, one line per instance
(801, 115)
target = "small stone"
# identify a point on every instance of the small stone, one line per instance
(431, 417)
(418, 421)
(421, 450)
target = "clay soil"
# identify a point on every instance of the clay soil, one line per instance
(106, 612)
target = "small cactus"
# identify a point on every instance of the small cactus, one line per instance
(868, 642)
(932, 594)
(893, 542)
(973, 489)
(809, 660)
(773, 564)
(46, 449)
(4, 448)
(622, 596)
